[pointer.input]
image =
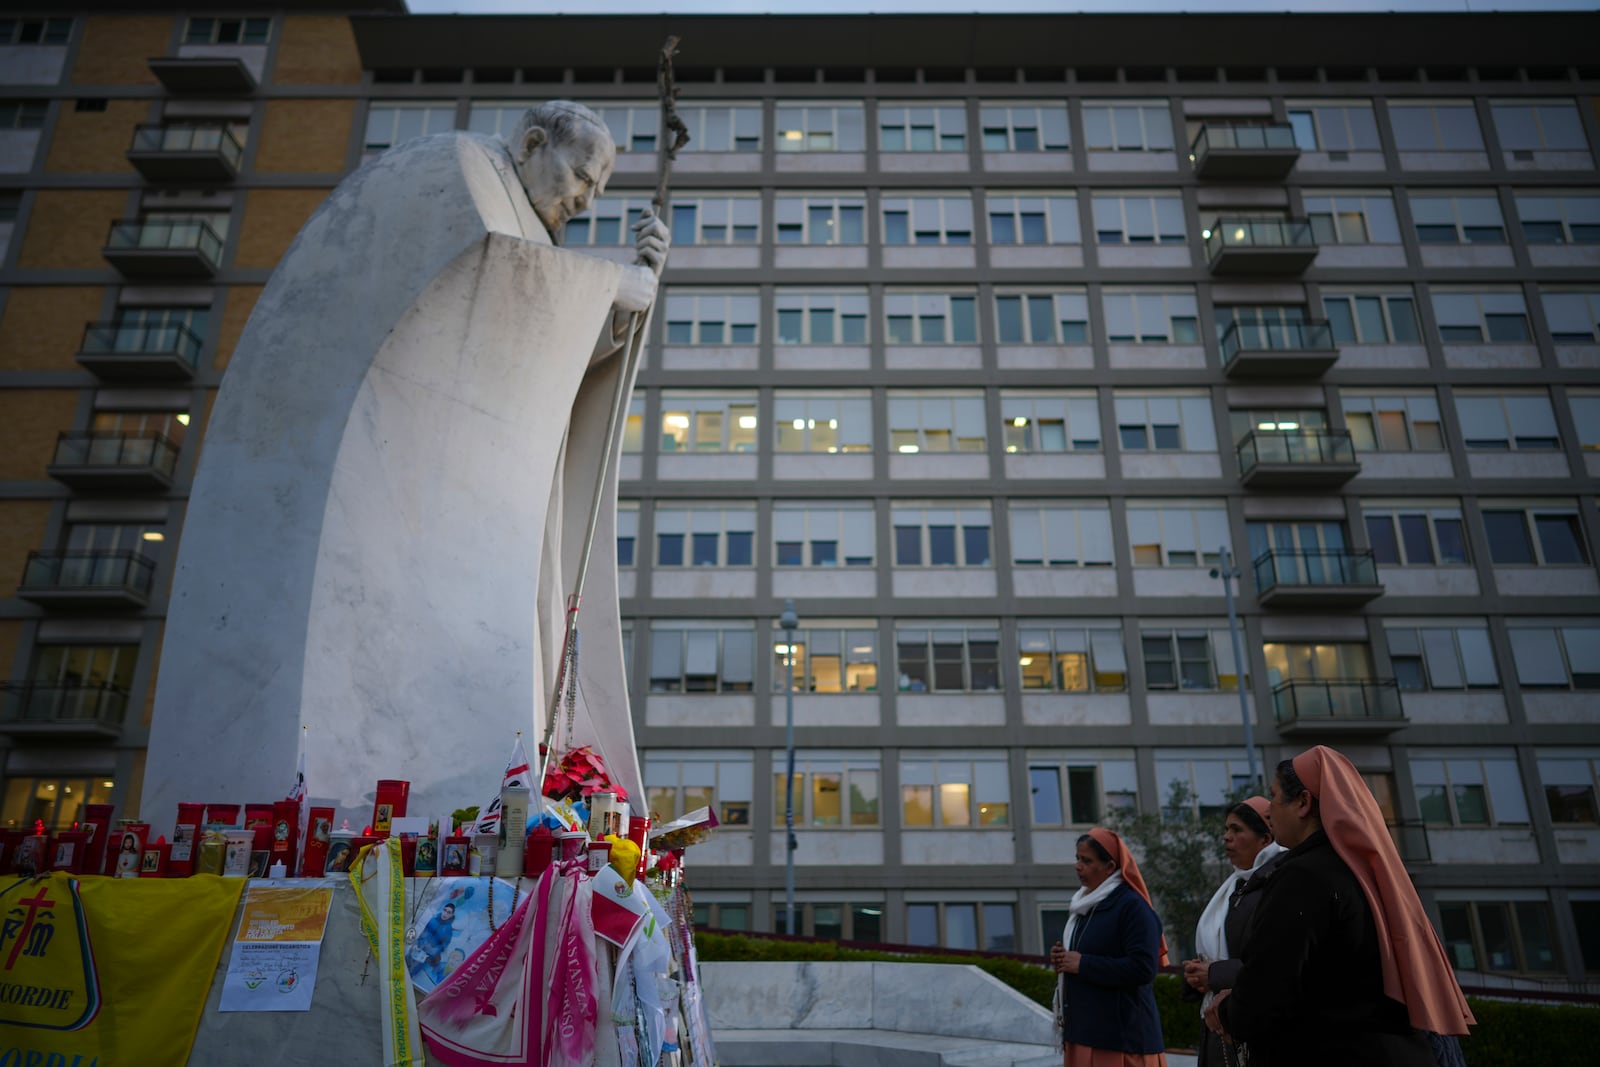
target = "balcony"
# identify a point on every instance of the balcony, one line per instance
(1337, 706)
(188, 151)
(114, 461)
(62, 709)
(1337, 578)
(160, 248)
(87, 579)
(1293, 459)
(1251, 153)
(1281, 247)
(127, 352)
(203, 74)
(1277, 350)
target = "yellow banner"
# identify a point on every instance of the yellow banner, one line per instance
(108, 971)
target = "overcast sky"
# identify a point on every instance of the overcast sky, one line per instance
(758, 7)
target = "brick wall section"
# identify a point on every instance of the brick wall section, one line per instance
(305, 136)
(96, 142)
(272, 218)
(317, 50)
(33, 418)
(67, 229)
(116, 49)
(22, 527)
(10, 635)
(236, 308)
(43, 326)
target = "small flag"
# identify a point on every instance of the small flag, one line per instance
(299, 795)
(518, 772)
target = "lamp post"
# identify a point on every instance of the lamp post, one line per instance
(788, 620)
(1229, 573)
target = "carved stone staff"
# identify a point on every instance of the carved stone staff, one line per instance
(674, 135)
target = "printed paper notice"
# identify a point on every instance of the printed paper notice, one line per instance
(273, 966)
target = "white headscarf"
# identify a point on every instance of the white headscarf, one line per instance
(1210, 933)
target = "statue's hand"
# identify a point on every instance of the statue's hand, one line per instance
(651, 241)
(637, 290)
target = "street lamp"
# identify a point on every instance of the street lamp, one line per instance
(1229, 574)
(788, 620)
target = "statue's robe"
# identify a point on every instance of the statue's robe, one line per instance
(390, 503)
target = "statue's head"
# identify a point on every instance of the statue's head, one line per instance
(564, 154)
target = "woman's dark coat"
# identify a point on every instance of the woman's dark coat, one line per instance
(1110, 1002)
(1221, 974)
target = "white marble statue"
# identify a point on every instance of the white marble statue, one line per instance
(394, 484)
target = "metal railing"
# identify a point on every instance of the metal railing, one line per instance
(85, 448)
(88, 571)
(116, 338)
(1340, 699)
(1294, 446)
(1333, 567)
(189, 137)
(162, 235)
(40, 702)
(1236, 136)
(1259, 233)
(1313, 335)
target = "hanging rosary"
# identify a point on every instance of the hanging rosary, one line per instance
(515, 893)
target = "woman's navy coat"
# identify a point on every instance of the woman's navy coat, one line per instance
(1110, 1001)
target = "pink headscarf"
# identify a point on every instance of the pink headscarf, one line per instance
(1128, 868)
(1262, 807)
(1415, 969)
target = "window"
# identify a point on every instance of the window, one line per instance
(1586, 417)
(1151, 317)
(1432, 658)
(1147, 423)
(389, 124)
(930, 318)
(1061, 535)
(56, 802)
(715, 220)
(1438, 127)
(157, 329)
(936, 422)
(1476, 318)
(1156, 219)
(9, 205)
(609, 222)
(835, 921)
(1177, 536)
(226, 31)
(720, 128)
(694, 423)
(712, 318)
(1485, 935)
(1079, 788)
(1072, 659)
(1334, 127)
(941, 536)
(723, 915)
(1557, 657)
(35, 31)
(1534, 535)
(1394, 423)
(954, 790)
(810, 534)
(1574, 318)
(820, 128)
(1025, 128)
(1371, 318)
(678, 782)
(1571, 218)
(1042, 318)
(705, 535)
(821, 219)
(627, 532)
(1569, 788)
(1529, 126)
(927, 220)
(1416, 535)
(701, 657)
(1033, 220)
(833, 422)
(1131, 127)
(829, 658)
(1212, 781)
(1469, 791)
(1050, 422)
(1191, 660)
(1353, 218)
(633, 428)
(22, 114)
(922, 129)
(501, 117)
(1458, 220)
(79, 682)
(1321, 662)
(821, 317)
(963, 925)
(1507, 423)
(635, 127)
(834, 790)
(948, 658)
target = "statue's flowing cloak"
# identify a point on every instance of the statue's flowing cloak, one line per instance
(390, 501)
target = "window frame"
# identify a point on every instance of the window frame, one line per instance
(1474, 409)
(837, 204)
(913, 212)
(1482, 300)
(1002, 119)
(1314, 122)
(1554, 316)
(1036, 513)
(967, 411)
(939, 113)
(836, 130)
(922, 637)
(925, 305)
(1534, 541)
(827, 761)
(739, 212)
(1410, 644)
(441, 110)
(850, 419)
(740, 322)
(1183, 659)
(1160, 124)
(733, 404)
(654, 759)
(963, 523)
(739, 141)
(956, 762)
(1433, 107)
(1513, 928)
(1329, 228)
(695, 521)
(1057, 211)
(1064, 306)
(1104, 656)
(1174, 304)
(844, 536)
(722, 629)
(1456, 213)
(1359, 322)
(982, 940)
(1128, 214)
(1562, 645)
(1194, 428)
(848, 312)
(1395, 516)
(1204, 557)
(1023, 412)
(1569, 234)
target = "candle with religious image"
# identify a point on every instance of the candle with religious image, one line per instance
(285, 830)
(156, 858)
(128, 849)
(455, 858)
(68, 850)
(236, 859)
(514, 800)
(319, 831)
(222, 815)
(185, 840)
(96, 822)
(390, 802)
(10, 839)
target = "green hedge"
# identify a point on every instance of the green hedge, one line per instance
(1507, 1035)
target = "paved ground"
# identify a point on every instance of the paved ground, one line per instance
(883, 1048)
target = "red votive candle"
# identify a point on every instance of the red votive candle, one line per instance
(125, 855)
(155, 860)
(285, 831)
(96, 822)
(185, 840)
(69, 850)
(390, 802)
(455, 857)
(319, 830)
(222, 814)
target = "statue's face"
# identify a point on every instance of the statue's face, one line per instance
(563, 177)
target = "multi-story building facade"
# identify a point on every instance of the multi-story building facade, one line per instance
(981, 338)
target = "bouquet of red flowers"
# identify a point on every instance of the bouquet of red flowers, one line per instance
(577, 774)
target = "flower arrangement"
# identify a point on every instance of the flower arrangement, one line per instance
(578, 774)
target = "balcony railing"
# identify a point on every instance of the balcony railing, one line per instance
(100, 576)
(203, 74)
(37, 707)
(201, 150)
(1340, 703)
(163, 247)
(1241, 151)
(115, 350)
(1234, 135)
(90, 460)
(1330, 567)
(1298, 348)
(1297, 447)
(1260, 246)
